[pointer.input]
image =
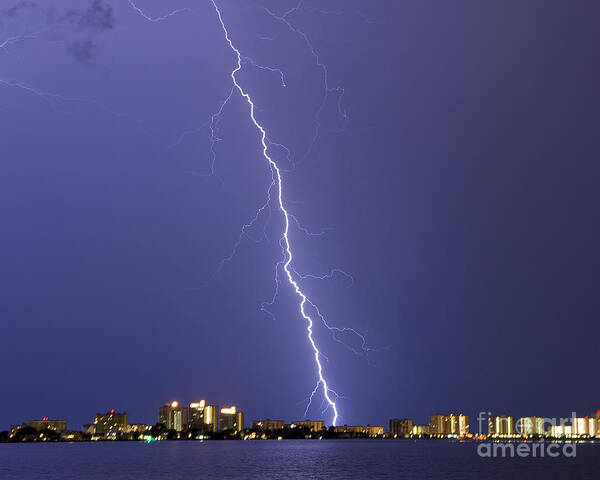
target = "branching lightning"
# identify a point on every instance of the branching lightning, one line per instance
(328, 89)
(156, 19)
(18, 38)
(263, 213)
(285, 242)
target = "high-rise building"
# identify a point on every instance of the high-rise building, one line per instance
(173, 417)
(401, 427)
(196, 415)
(453, 424)
(594, 424)
(420, 430)
(463, 424)
(211, 418)
(561, 430)
(437, 423)
(268, 425)
(312, 425)
(580, 426)
(232, 419)
(501, 425)
(530, 426)
(110, 421)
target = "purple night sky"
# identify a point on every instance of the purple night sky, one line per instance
(461, 194)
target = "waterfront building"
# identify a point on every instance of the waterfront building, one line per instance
(580, 426)
(594, 424)
(204, 417)
(593, 427)
(196, 415)
(530, 426)
(437, 424)
(313, 425)
(211, 418)
(88, 428)
(561, 430)
(501, 425)
(359, 430)
(453, 424)
(463, 424)
(232, 419)
(59, 426)
(138, 428)
(110, 421)
(420, 430)
(456, 424)
(401, 427)
(173, 417)
(268, 425)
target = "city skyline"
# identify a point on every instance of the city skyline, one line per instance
(209, 419)
(201, 421)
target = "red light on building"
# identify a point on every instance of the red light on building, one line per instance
(45, 419)
(112, 411)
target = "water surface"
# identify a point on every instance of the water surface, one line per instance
(286, 459)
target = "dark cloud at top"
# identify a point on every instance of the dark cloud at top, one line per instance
(15, 9)
(98, 16)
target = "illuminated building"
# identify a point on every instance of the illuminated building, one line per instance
(88, 428)
(456, 424)
(196, 415)
(463, 424)
(312, 425)
(437, 424)
(501, 425)
(211, 418)
(452, 424)
(173, 417)
(580, 426)
(138, 428)
(420, 430)
(401, 427)
(204, 417)
(268, 425)
(593, 427)
(59, 426)
(359, 430)
(232, 419)
(530, 426)
(110, 422)
(561, 430)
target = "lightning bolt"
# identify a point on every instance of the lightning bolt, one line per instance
(18, 38)
(284, 241)
(156, 19)
(328, 89)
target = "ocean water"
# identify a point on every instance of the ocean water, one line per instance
(286, 459)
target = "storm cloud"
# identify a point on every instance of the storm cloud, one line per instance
(99, 16)
(83, 51)
(17, 8)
